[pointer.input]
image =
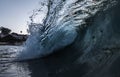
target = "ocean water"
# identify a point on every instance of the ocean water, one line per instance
(77, 38)
(53, 66)
(62, 24)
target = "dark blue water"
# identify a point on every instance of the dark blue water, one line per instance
(65, 46)
(51, 66)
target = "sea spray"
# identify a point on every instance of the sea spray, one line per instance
(62, 20)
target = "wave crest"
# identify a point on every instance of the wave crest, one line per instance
(61, 23)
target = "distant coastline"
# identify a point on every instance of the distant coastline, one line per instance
(12, 39)
(8, 38)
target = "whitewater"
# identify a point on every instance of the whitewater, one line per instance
(62, 23)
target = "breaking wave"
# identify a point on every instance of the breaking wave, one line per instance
(62, 22)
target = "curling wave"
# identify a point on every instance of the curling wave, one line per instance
(62, 23)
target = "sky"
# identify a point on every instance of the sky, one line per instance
(14, 14)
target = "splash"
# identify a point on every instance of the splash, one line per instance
(61, 22)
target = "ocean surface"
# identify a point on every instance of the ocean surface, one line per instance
(45, 67)
(77, 38)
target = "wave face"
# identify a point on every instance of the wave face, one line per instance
(62, 23)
